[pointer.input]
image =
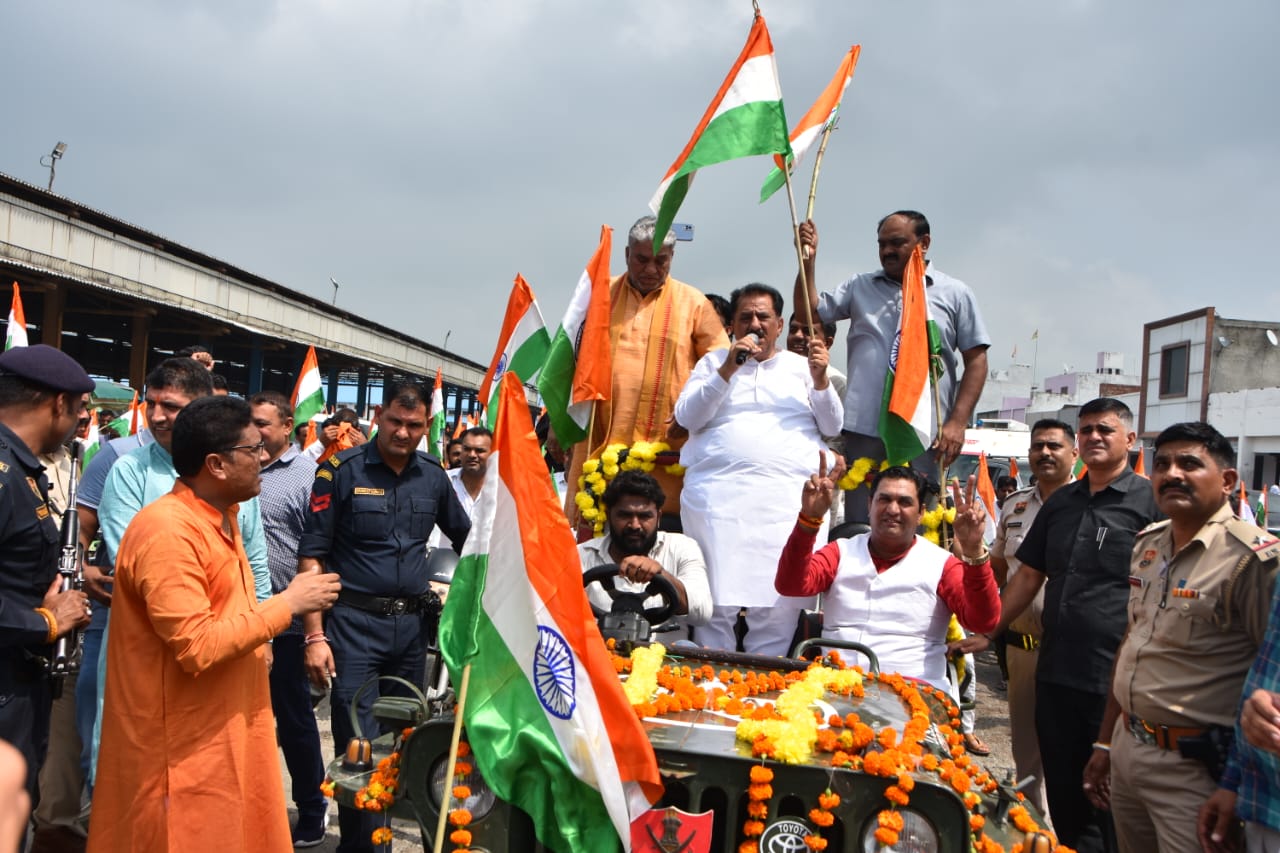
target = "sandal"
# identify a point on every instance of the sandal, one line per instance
(974, 744)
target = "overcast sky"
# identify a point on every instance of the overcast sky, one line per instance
(1086, 166)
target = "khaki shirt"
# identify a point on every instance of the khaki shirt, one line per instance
(1196, 619)
(1020, 509)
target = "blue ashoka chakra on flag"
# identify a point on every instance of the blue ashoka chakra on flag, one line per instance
(553, 674)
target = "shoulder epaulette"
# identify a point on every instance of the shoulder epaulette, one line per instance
(1257, 540)
(334, 460)
(1154, 527)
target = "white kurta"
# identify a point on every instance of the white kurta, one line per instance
(752, 444)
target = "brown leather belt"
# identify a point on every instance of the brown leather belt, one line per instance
(1154, 734)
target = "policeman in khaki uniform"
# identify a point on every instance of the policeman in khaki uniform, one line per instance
(1052, 456)
(1198, 609)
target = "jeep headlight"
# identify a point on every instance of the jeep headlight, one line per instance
(917, 835)
(482, 798)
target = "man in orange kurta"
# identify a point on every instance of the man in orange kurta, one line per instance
(188, 759)
(658, 330)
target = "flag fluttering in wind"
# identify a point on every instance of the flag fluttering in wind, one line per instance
(986, 490)
(906, 416)
(435, 434)
(1140, 464)
(744, 119)
(308, 395)
(522, 346)
(1013, 468)
(15, 334)
(810, 127)
(578, 370)
(1245, 511)
(460, 427)
(549, 726)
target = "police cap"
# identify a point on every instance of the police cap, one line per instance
(43, 365)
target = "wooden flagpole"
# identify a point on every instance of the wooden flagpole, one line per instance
(447, 795)
(800, 254)
(817, 167)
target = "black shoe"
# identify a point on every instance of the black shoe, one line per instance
(310, 832)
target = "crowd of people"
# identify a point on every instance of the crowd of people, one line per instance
(233, 572)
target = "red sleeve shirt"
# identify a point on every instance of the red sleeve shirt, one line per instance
(968, 591)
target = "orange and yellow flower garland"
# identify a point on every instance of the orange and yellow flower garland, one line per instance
(598, 473)
(899, 754)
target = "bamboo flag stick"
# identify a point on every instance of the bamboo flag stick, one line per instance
(817, 167)
(800, 255)
(447, 795)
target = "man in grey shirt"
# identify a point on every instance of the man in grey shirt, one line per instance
(873, 304)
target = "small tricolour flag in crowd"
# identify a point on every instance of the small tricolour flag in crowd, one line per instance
(578, 370)
(744, 119)
(906, 415)
(522, 346)
(549, 726)
(1245, 511)
(308, 394)
(986, 490)
(1260, 514)
(15, 333)
(435, 432)
(1140, 464)
(819, 117)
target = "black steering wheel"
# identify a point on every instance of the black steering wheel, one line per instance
(633, 602)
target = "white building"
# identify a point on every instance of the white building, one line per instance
(1200, 366)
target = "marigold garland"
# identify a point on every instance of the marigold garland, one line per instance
(598, 473)
(759, 792)
(459, 817)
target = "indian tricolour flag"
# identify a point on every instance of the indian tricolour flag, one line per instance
(435, 434)
(745, 118)
(522, 346)
(578, 369)
(308, 395)
(15, 334)
(906, 416)
(1245, 511)
(548, 723)
(820, 116)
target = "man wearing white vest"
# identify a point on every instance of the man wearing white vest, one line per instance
(891, 589)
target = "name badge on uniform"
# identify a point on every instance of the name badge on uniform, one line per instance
(1014, 524)
(365, 490)
(1137, 582)
(1020, 507)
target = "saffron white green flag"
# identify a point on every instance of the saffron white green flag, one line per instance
(15, 333)
(744, 119)
(435, 434)
(906, 417)
(578, 370)
(522, 347)
(820, 116)
(308, 395)
(1246, 511)
(549, 726)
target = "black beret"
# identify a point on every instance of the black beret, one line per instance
(44, 365)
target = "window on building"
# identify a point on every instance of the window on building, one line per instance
(1174, 367)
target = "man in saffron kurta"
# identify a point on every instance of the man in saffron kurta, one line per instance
(188, 759)
(658, 330)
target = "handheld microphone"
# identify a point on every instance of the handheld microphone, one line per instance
(741, 357)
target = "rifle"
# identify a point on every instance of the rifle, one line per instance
(68, 650)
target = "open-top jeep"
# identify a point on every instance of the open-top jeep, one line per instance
(885, 771)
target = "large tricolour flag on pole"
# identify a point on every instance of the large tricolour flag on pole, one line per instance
(308, 395)
(522, 346)
(548, 723)
(15, 333)
(810, 127)
(435, 434)
(578, 369)
(744, 119)
(906, 416)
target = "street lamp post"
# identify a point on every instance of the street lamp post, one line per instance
(53, 157)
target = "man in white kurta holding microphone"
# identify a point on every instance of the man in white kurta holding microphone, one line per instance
(756, 415)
